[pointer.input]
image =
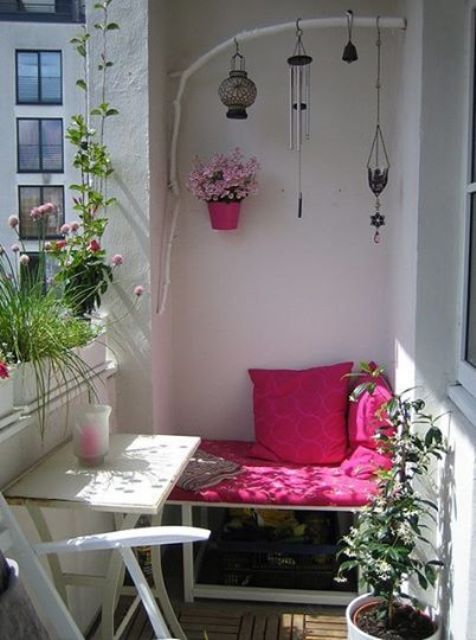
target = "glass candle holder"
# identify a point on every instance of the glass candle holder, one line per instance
(91, 433)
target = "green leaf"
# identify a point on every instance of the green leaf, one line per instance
(81, 84)
(112, 26)
(112, 112)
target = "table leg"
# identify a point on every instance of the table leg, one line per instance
(162, 595)
(187, 555)
(44, 533)
(114, 580)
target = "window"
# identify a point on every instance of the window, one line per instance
(467, 368)
(39, 77)
(33, 196)
(31, 273)
(40, 145)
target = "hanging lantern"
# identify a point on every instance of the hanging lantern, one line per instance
(378, 164)
(299, 102)
(350, 52)
(237, 92)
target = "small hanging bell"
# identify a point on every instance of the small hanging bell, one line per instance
(350, 52)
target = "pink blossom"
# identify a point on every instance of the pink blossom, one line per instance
(139, 290)
(224, 177)
(60, 244)
(47, 246)
(94, 246)
(35, 213)
(117, 260)
(74, 226)
(13, 222)
(24, 259)
(65, 229)
(4, 373)
(15, 248)
(49, 207)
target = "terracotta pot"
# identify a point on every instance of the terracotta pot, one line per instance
(354, 633)
(224, 215)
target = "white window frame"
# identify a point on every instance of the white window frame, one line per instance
(466, 372)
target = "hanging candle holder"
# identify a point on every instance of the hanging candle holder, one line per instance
(378, 164)
(237, 92)
(350, 52)
(299, 102)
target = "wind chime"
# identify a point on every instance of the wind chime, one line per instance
(299, 103)
(378, 164)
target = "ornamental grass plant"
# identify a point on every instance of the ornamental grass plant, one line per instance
(35, 326)
(390, 541)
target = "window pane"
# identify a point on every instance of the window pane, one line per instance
(52, 145)
(27, 76)
(50, 66)
(28, 145)
(29, 198)
(55, 220)
(470, 355)
(39, 6)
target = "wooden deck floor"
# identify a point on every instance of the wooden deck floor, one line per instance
(240, 621)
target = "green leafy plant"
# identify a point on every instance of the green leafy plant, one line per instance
(84, 270)
(386, 542)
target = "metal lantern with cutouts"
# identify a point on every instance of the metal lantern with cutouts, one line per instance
(237, 92)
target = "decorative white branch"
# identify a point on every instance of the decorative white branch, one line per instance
(312, 23)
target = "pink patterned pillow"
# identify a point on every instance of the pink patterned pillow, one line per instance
(364, 420)
(300, 416)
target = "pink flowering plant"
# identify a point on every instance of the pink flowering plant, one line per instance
(224, 178)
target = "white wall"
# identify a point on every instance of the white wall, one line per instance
(279, 292)
(127, 136)
(162, 347)
(439, 276)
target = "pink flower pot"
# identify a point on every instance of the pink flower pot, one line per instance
(224, 215)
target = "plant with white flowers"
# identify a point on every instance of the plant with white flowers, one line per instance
(386, 544)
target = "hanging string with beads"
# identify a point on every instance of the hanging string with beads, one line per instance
(378, 164)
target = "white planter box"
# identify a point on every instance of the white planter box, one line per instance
(94, 353)
(25, 387)
(354, 633)
(6, 396)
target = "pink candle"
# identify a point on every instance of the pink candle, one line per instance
(89, 441)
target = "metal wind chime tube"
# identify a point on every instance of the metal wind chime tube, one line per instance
(299, 103)
(378, 164)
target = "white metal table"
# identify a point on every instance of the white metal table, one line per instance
(136, 478)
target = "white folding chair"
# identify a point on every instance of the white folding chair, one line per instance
(52, 606)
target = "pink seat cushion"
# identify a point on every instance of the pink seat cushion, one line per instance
(300, 416)
(364, 463)
(278, 483)
(364, 419)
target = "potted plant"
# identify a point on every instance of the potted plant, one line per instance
(85, 271)
(223, 182)
(38, 333)
(386, 543)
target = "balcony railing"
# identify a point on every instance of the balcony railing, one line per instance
(42, 10)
